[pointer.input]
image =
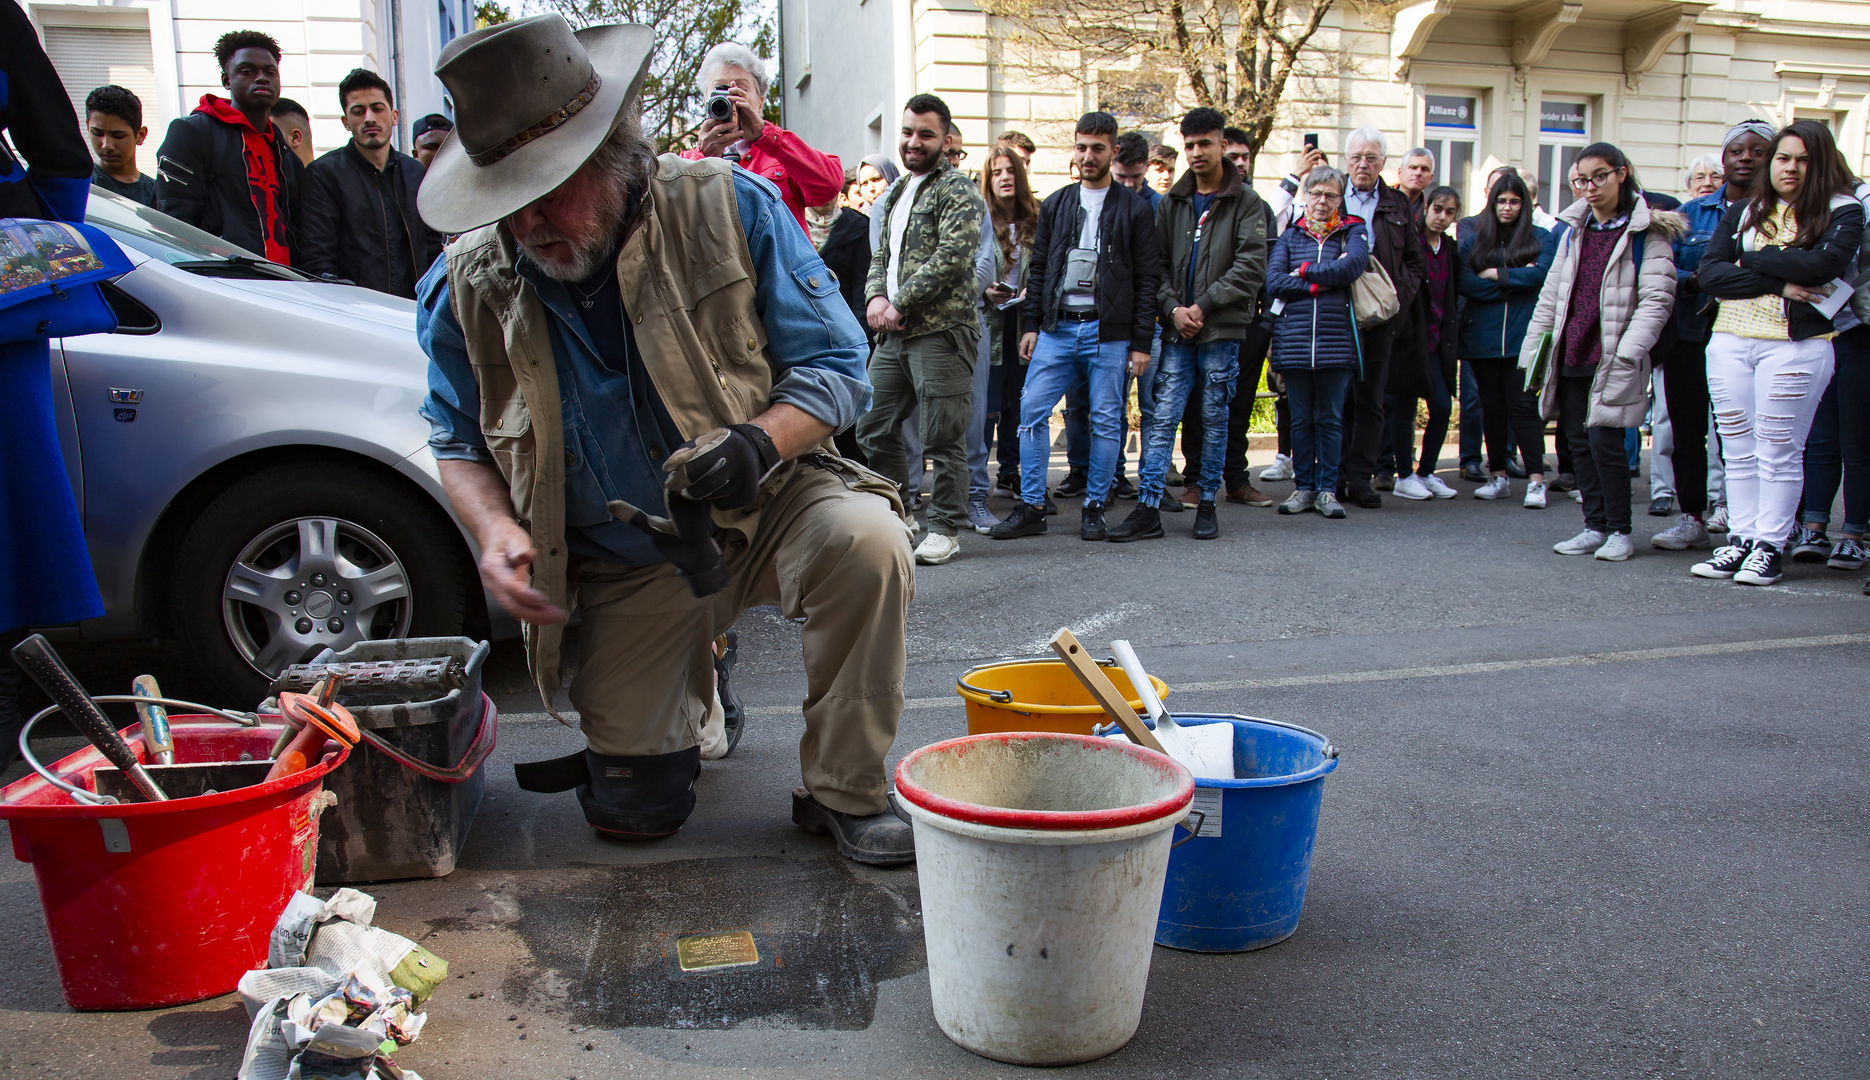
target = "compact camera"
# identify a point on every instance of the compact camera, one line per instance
(720, 107)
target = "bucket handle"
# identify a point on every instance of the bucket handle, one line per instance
(471, 760)
(1194, 830)
(1001, 697)
(897, 809)
(79, 794)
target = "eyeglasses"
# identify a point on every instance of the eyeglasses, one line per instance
(1367, 159)
(1595, 180)
(1327, 196)
(955, 155)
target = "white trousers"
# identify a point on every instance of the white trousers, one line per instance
(1765, 394)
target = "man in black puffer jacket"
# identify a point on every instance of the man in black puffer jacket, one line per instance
(226, 168)
(1090, 294)
(360, 220)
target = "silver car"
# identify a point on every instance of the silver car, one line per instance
(253, 476)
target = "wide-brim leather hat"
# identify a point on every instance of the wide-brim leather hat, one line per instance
(533, 102)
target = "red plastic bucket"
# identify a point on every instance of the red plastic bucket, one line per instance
(153, 904)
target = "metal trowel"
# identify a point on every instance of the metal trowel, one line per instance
(1207, 749)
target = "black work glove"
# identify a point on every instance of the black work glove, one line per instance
(685, 538)
(725, 466)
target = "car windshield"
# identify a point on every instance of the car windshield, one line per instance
(160, 236)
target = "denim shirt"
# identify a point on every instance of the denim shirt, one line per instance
(1704, 220)
(616, 426)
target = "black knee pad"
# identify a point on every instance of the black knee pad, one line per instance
(639, 798)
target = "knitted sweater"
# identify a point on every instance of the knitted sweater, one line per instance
(1582, 349)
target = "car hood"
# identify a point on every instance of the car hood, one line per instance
(338, 301)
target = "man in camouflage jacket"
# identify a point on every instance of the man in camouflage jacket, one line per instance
(922, 303)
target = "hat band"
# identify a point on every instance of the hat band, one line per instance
(558, 116)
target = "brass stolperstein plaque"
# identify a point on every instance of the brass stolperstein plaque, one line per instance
(705, 952)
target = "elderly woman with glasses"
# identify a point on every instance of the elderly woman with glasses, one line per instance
(1315, 347)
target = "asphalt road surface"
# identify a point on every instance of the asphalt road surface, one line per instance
(1591, 819)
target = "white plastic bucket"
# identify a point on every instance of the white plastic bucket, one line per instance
(1041, 858)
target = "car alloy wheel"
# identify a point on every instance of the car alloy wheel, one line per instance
(312, 583)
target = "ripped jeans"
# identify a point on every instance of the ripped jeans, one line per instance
(1765, 394)
(1210, 371)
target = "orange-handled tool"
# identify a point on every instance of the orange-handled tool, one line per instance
(316, 721)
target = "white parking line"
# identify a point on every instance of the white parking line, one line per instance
(1675, 652)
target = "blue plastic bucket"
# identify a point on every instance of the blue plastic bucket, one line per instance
(1240, 883)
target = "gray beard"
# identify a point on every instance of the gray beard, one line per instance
(588, 252)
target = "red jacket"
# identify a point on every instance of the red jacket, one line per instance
(806, 177)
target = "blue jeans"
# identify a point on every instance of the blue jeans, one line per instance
(1470, 415)
(1215, 366)
(1317, 402)
(1066, 355)
(1078, 410)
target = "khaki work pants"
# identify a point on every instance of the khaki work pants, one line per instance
(840, 558)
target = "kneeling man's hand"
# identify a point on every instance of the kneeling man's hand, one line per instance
(724, 466)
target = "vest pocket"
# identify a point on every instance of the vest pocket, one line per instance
(520, 472)
(503, 412)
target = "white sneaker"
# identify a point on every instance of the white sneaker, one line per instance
(936, 549)
(1535, 495)
(1687, 532)
(1280, 469)
(1616, 548)
(1410, 487)
(1436, 488)
(1576, 495)
(1717, 521)
(1498, 488)
(1584, 543)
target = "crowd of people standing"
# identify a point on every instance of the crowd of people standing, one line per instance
(1730, 326)
(1733, 327)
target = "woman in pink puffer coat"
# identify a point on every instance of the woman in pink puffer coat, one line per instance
(1606, 300)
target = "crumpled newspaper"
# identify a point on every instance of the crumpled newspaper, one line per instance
(336, 995)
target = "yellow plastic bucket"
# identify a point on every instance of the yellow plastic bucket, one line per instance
(1040, 694)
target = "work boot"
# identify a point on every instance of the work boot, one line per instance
(1072, 486)
(1245, 492)
(1025, 520)
(631, 798)
(1144, 523)
(879, 839)
(1206, 525)
(1091, 522)
(1191, 495)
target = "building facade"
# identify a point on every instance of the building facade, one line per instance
(1479, 81)
(163, 50)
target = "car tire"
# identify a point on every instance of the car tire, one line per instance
(368, 530)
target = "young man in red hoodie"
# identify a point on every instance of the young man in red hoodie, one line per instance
(227, 168)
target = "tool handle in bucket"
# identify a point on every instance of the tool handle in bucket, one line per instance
(36, 657)
(1066, 645)
(477, 752)
(1201, 820)
(1145, 690)
(158, 743)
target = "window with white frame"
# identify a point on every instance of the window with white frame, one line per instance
(1564, 129)
(1450, 131)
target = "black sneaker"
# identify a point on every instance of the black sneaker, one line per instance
(1206, 525)
(1473, 473)
(1563, 482)
(1091, 522)
(1123, 488)
(1515, 470)
(736, 717)
(1367, 498)
(1144, 523)
(1810, 545)
(1072, 486)
(1725, 561)
(1025, 520)
(1662, 506)
(1174, 478)
(1847, 555)
(1171, 504)
(1761, 568)
(1051, 508)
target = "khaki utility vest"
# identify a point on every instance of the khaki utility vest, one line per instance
(688, 286)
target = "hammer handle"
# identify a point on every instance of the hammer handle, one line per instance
(36, 658)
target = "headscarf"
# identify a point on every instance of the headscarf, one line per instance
(885, 167)
(1749, 127)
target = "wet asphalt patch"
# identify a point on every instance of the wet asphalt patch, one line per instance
(826, 933)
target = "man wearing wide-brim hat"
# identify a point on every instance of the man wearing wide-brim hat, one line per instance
(615, 331)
